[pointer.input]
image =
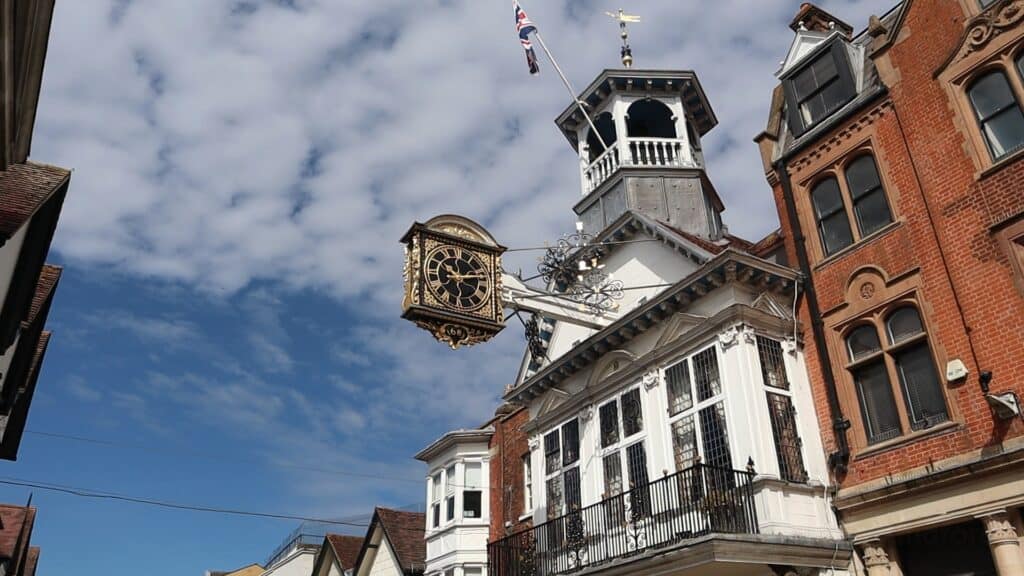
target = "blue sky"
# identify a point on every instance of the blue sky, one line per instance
(242, 173)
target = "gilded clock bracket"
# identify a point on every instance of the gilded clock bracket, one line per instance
(517, 295)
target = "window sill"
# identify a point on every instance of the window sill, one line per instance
(999, 164)
(525, 517)
(938, 430)
(874, 236)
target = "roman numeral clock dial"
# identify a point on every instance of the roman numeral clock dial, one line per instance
(458, 277)
(453, 280)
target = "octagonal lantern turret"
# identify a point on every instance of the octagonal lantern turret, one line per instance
(652, 122)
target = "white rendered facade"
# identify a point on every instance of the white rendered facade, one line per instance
(682, 437)
(458, 503)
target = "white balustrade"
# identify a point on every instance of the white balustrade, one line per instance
(601, 168)
(639, 153)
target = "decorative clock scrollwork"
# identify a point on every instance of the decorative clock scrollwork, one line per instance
(558, 266)
(534, 343)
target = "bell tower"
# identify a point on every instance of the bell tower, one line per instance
(652, 122)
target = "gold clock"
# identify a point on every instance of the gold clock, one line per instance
(458, 277)
(453, 280)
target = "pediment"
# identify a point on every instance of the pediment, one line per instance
(552, 399)
(771, 304)
(678, 325)
(609, 364)
(1001, 17)
(803, 44)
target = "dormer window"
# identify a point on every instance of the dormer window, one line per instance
(818, 88)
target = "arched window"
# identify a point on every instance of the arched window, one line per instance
(833, 224)
(650, 119)
(869, 202)
(902, 357)
(605, 125)
(874, 390)
(998, 113)
(915, 368)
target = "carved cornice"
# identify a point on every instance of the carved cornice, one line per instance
(998, 18)
(826, 146)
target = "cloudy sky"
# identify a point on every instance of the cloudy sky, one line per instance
(243, 170)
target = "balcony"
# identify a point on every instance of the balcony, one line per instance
(639, 153)
(670, 511)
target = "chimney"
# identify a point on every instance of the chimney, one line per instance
(814, 19)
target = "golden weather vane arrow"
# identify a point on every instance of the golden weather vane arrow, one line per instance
(623, 19)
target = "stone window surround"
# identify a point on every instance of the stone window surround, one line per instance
(870, 296)
(836, 167)
(998, 55)
(1011, 238)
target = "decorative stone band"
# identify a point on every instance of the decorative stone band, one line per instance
(873, 554)
(999, 528)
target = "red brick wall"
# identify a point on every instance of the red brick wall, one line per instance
(508, 446)
(967, 284)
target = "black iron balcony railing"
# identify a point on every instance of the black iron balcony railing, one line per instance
(697, 501)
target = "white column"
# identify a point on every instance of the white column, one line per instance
(1004, 542)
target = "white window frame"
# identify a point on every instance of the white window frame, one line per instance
(436, 499)
(623, 443)
(450, 492)
(465, 487)
(562, 468)
(787, 392)
(527, 484)
(697, 405)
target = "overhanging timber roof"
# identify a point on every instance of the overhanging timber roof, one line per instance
(731, 265)
(641, 82)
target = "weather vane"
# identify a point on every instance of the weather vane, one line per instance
(623, 18)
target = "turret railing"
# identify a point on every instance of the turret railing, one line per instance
(639, 153)
(670, 511)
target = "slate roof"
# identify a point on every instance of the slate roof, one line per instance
(346, 549)
(405, 532)
(24, 188)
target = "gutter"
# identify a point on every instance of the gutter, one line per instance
(838, 459)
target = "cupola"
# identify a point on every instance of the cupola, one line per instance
(646, 154)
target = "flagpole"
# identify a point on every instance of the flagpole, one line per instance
(572, 93)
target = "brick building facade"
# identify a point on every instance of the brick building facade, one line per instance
(894, 159)
(510, 505)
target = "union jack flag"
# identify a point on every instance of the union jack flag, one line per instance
(524, 27)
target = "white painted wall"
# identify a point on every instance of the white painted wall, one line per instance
(385, 562)
(8, 260)
(463, 540)
(297, 563)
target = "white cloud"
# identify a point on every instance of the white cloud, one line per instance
(191, 125)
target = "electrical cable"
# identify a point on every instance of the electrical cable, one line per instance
(605, 243)
(223, 458)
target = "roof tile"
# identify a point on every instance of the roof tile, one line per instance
(405, 532)
(346, 549)
(23, 189)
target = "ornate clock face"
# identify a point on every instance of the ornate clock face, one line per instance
(457, 277)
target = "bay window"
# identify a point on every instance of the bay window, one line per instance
(788, 446)
(623, 456)
(449, 501)
(472, 490)
(436, 490)
(697, 413)
(561, 469)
